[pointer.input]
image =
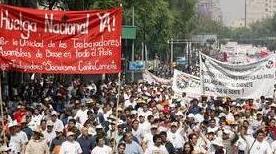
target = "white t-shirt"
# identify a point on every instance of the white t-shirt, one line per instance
(36, 119)
(70, 148)
(154, 149)
(49, 136)
(145, 126)
(128, 103)
(260, 148)
(17, 141)
(82, 115)
(139, 134)
(58, 125)
(273, 147)
(148, 139)
(102, 150)
(176, 139)
(242, 144)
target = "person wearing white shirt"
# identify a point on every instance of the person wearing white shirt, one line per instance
(18, 139)
(175, 138)
(70, 146)
(273, 147)
(148, 138)
(137, 131)
(145, 125)
(36, 118)
(101, 148)
(212, 126)
(184, 100)
(49, 134)
(58, 124)
(130, 102)
(259, 145)
(157, 147)
(81, 115)
(144, 111)
(242, 143)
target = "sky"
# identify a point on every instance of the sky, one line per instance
(232, 10)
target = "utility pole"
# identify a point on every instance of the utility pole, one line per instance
(171, 50)
(132, 51)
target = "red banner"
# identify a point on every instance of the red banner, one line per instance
(67, 42)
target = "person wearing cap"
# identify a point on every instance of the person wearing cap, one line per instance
(58, 124)
(81, 115)
(85, 141)
(18, 138)
(175, 137)
(37, 145)
(19, 113)
(49, 134)
(70, 146)
(101, 148)
(56, 142)
(228, 137)
(158, 147)
(257, 122)
(217, 147)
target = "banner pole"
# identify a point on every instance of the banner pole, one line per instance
(201, 74)
(117, 112)
(2, 112)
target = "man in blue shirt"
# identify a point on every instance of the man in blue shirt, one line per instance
(132, 147)
(85, 141)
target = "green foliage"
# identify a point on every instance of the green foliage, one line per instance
(259, 33)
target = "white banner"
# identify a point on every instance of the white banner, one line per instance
(238, 81)
(151, 78)
(183, 82)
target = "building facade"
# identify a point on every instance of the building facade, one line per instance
(257, 10)
(210, 9)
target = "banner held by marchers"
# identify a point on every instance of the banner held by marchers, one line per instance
(67, 42)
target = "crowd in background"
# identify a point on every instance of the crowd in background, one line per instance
(53, 117)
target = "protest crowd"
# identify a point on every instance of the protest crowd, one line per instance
(69, 115)
(51, 117)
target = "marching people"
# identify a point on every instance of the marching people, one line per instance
(153, 119)
(18, 138)
(70, 146)
(37, 145)
(56, 142)
(158, 147)
(101, 148)
(121, 148)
